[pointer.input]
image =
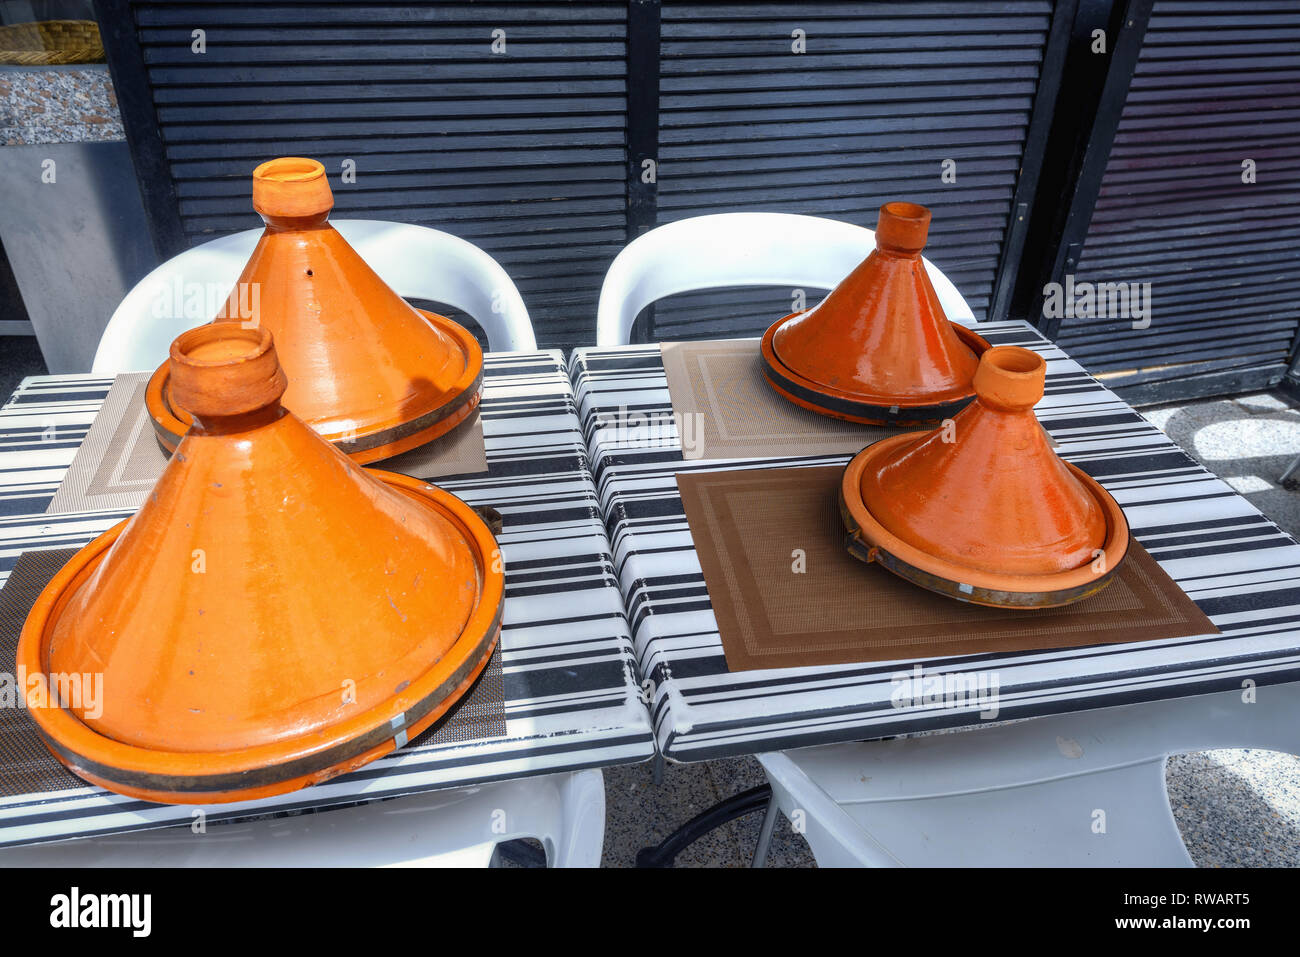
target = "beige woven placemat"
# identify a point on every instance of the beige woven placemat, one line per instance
(459, 452)
(120, 460)
(786, 593)
(726, 409)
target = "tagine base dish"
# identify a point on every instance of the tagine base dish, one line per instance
(870, 541)
(854, 407)
(196, 777)
(364, 444)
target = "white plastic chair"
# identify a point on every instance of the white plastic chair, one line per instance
(739, 249)
(418, 262)
(1074, 790)
(456, 828)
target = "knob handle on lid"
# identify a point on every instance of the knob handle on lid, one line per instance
(223, 370)
(903, 228)
(1010, 378)
(291, 187)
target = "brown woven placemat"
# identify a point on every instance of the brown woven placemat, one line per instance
(753, 529)
(120, 460)
(26, 766)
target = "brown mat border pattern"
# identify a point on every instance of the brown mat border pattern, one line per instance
(753, 527)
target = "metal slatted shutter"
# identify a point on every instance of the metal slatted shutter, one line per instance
(522, 153)
(1214, 85)
(883, 95)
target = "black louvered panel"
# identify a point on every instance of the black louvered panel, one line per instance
(884, 94)
(522, 154)
(723, 313)
(1214, 85)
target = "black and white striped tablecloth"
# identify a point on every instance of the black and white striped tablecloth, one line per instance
(1238, 566)
(572, 698)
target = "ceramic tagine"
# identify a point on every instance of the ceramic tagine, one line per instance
(367, 370)
(982, 509)
(274, 615)
(879, 348)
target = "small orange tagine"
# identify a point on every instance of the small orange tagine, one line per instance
(879, 348)
(273, 616)
(367, 370)
(982, 509)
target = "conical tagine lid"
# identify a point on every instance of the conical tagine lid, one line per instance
(366, 370)
(982, 509)
(274, 615)
(879, 348)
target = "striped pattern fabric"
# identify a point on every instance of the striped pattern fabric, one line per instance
(572, 700)
(1239, 567)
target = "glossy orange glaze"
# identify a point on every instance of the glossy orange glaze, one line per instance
(270, 599)
(881, 335)
(361, 360)
(988, 492)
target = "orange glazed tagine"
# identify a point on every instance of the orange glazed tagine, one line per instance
(273, 616)
(367, 370)
(982, 509)
(879, 348)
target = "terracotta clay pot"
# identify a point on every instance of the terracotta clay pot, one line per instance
(368, 371)
(982, 509)
(879, 348)
(274, 615)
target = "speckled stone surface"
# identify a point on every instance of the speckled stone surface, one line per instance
(59, 104)
(1248, 441)
(639, 813)
(1237, 808)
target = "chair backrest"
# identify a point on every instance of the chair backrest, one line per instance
(418, 262)
(739, 249)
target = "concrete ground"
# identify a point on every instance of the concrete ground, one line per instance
(1234, 808)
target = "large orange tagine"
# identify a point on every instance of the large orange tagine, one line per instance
(982, 509)
(367, 370)
(879, 348)
(273, 616)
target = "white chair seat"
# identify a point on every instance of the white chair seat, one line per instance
(739, 249)
(1074, 790)
(417, 262)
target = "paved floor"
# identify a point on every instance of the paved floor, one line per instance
(1234, 808)
(1239, 808)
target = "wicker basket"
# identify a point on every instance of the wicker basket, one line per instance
(51, 42)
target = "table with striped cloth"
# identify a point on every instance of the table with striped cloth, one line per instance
(1239, 567)
(572, 699)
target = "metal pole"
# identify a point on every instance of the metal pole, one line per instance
(765, 834)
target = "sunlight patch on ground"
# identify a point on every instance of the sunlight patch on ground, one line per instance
(1248, 437)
